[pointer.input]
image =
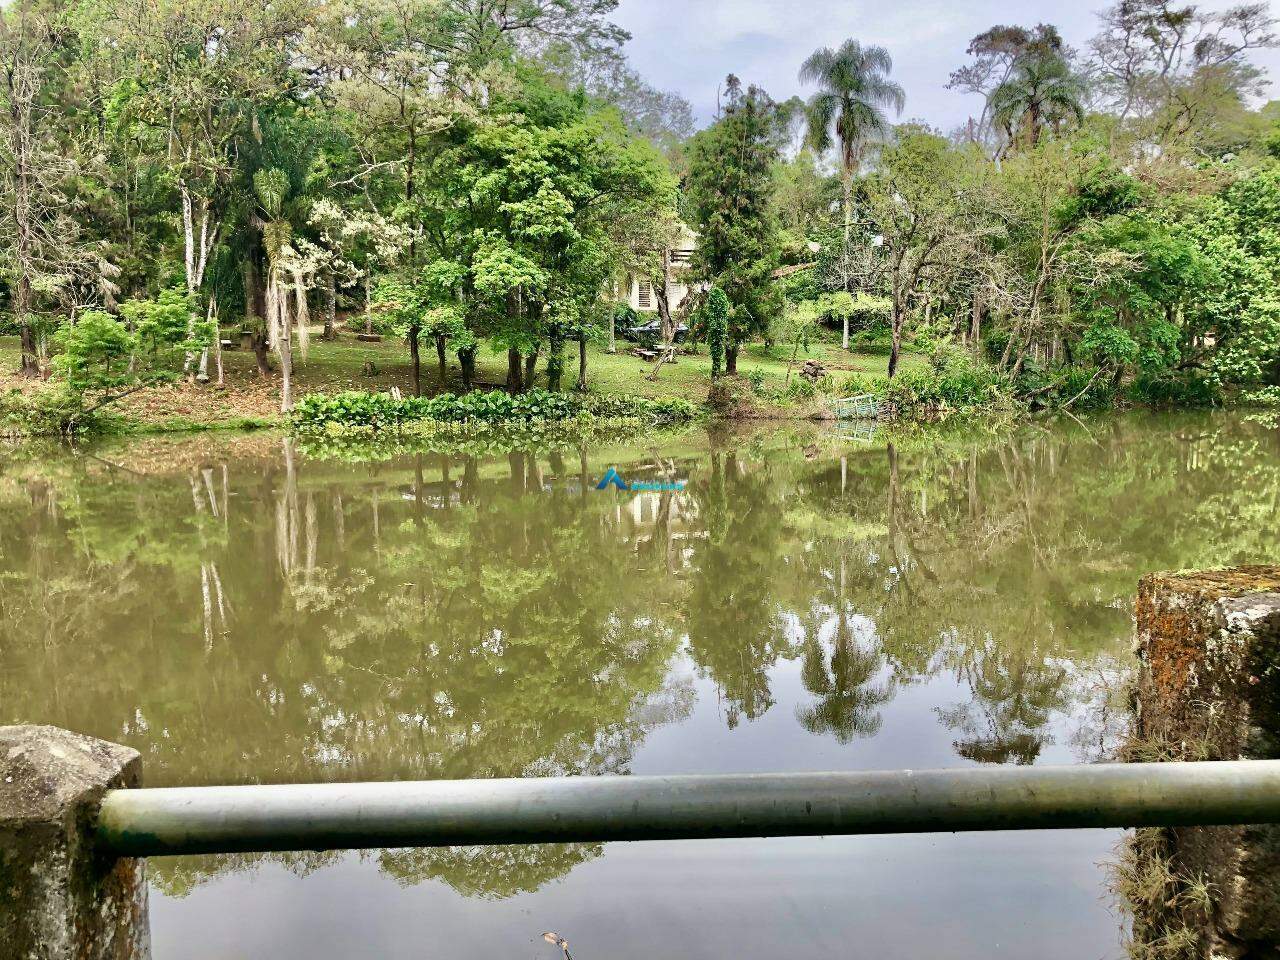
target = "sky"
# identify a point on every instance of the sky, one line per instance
(689, 46)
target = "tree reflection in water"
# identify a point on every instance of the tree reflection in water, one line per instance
(242, 613)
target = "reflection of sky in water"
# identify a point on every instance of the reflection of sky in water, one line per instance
(931, 896)
(1002, 895)
(499, 616)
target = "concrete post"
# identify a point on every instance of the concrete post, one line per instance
(59, 898)
(1208, 688)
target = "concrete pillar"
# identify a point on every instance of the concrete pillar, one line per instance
(1208, 688)
(60, 899)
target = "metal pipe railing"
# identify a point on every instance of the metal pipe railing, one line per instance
(589, 809)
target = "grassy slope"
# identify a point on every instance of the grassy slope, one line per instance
(340, 366)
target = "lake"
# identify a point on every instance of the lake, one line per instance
(241, 610)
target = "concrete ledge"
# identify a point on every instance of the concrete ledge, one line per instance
(60, 897)
(1208, 688)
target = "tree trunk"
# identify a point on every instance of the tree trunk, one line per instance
(895, 352)
(261, 353)
(846, 185)
(286, 369)
(515, 379)
(731, 360)
(663, 291)
(368, 304)
(613, 330)
(531, 368)
(197, 242)
(467, 360)
(975, 323)
(253, 318)
(330, 306)
(22, 299)
(555, 360)
(582, 363)
(217, 341)
(442, 362)
(415, 359)
(21, 97)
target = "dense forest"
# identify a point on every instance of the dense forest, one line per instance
(472, 176)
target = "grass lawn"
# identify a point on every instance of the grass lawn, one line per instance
(349, 364)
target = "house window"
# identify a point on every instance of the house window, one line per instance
(644, 295)
(681, 256)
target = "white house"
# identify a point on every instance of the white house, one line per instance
(639, 291)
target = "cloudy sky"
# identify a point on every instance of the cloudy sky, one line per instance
(690, 45)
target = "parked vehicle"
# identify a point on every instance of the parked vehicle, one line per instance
(651, 332)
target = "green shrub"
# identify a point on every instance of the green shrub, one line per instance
(800, 388)
(1265, 397)
(877, 341)
(55, 410)
(1080, 387)
(952, 381)
(856, 384)
(1174, 390)
(381, 411)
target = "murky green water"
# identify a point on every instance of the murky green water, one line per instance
(241, 613)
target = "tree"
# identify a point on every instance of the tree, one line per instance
(1043, 93)
(1047, 199)
(481, 31)
(996, 53)
(104, 359)
(714, 319)
(923, 215)
(729, 190)
(662, 117)
(551, 184)
(1155, 61)
(415, 307)
(849, 112)
(191, 77)
(43, 248)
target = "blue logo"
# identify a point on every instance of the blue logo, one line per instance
(614, 479)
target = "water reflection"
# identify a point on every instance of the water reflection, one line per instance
(241, 613)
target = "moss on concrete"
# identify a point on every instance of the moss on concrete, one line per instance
(1208, 688)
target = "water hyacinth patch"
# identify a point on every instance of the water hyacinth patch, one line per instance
(360, 410)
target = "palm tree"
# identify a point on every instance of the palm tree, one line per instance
(285, 276)
(1043, 93)
(848, 111)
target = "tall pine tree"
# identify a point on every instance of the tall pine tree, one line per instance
(730, 190)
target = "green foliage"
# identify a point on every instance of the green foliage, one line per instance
(729, 192)
(102, 358)
(272, 188)
(1268, 397)
(953, 381)
(95, 353)
(490, 187)
(1042, 93)
(624, 316)
(381, 411)
(549, 184)
(1162, 389)
(404, 306)
(1084, 388)
(713, 318)
(1107, 343)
